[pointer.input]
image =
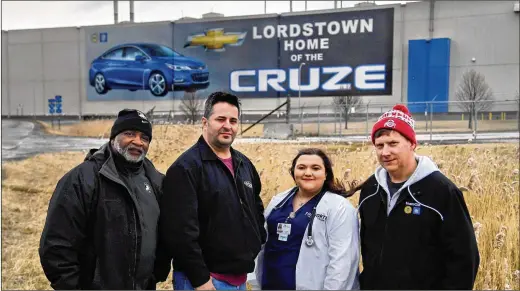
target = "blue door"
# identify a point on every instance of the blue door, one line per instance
(428, 74)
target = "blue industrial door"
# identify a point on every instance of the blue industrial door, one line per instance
(428, 73)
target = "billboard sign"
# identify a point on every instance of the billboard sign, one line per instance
(131, 62)
(312, 54)
(334, 52)
(226, 46)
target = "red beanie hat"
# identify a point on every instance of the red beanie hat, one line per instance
(398, 119)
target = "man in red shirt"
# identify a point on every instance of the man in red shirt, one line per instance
(212, 223)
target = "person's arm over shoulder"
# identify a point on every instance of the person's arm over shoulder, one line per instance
(179, 222)
(458, 242)
(342, 271)
(257, 184)
(66, 227)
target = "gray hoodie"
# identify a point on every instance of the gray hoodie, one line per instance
(424, 168)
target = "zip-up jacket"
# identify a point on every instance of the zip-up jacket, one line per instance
(211, 221)
(92, 235)
(421, 238)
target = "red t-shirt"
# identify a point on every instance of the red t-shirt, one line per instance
(229, 165)
(235, 280)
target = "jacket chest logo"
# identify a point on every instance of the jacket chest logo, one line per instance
(321, 217)
(147, 187)
(248, 184)
(412, 208)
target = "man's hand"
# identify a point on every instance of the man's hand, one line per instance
(206, 286)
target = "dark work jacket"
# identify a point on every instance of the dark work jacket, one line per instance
(92, 234)
(427, 240)
(210, 221)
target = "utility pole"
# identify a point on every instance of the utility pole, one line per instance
(115, 12)
(131, 11)
(300, 95)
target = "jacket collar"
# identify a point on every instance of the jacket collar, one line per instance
(281, 198)
(425, 166)
(208, 154)
(109, 169)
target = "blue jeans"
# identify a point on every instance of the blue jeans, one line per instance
(181, 282)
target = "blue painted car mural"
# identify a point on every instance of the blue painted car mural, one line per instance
(147, 66)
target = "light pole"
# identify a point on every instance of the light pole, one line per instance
(300, 94)
(431, 117)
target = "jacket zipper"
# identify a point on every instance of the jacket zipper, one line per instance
(384, 235)
(235, 180)
(135, 253)
(383, 245)
(242, 204)
(135, 231)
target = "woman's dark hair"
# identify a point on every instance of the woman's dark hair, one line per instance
(331, 184)
(354, 187)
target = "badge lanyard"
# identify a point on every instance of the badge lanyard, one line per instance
(284, 229)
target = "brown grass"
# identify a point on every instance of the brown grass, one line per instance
(101, 128)
(488, 172)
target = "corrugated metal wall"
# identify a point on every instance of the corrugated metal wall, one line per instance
(39, 64)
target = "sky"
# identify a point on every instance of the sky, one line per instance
(45, 14)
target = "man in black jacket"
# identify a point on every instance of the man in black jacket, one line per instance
(211, 213)
(101, 227)
(416, 231)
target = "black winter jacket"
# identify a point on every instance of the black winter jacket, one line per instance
(92, 234)
(210, 221)
(426, 242)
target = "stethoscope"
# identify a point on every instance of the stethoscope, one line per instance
(309, 241)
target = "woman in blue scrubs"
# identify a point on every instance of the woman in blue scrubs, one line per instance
(312, 232)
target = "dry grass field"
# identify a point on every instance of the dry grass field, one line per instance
(489, 174)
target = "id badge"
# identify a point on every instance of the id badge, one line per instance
(282, 237)
(283, 229)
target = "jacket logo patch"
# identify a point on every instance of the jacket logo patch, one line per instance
(321, 217)
(147, 187)
(248, 184)
(416, 210)
(408, 209)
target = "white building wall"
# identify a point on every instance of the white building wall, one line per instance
(5, 76)
(39, 64)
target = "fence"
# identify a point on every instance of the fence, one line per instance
(347, 119)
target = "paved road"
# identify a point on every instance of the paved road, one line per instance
(22, 139)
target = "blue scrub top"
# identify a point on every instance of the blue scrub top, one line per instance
(280, 257)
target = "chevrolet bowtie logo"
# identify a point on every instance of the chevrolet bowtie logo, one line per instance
(215, 39)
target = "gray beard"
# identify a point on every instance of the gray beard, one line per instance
(124, 152)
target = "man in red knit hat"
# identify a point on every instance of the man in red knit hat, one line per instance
(416, 231)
